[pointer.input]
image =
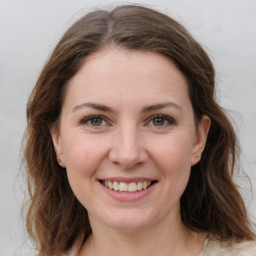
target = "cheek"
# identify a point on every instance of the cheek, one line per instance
(173, 150)
(173, 156)
(83, 155)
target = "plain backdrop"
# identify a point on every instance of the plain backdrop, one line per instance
(29, 30)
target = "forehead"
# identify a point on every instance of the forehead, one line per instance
(132, 75)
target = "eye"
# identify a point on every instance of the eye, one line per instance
(158, 121)
(94, 121)
(161, 121)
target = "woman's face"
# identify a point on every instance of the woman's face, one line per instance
(127, 138)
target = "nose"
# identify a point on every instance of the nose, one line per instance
(128, 150)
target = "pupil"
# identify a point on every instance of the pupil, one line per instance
(158, 121)
(96, 121)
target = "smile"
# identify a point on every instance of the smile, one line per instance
(126, 187)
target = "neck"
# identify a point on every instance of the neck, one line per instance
(160, 239)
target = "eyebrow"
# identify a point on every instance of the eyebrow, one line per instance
(145, 109)
(94, 106)
(161, 106)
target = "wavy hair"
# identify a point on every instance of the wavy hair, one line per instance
(211, 202)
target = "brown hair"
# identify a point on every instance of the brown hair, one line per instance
(211, 202)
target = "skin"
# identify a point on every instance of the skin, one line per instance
(127, 140)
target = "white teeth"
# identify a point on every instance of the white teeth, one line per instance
(132, 187)
(144, 184)
(139, 185)
(115, 186)
(110, 184)
(127, 187)
(123, 186)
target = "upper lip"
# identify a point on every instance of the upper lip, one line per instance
(127, 180)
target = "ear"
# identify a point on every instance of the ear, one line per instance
(56, 139)
(200, 139)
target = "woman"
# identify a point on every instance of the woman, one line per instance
(127, 151)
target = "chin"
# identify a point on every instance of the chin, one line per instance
(130, 220)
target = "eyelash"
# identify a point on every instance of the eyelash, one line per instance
(170, 121)
(86, 120)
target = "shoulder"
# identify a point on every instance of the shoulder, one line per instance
(218, 248)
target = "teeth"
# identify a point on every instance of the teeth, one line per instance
(123, 186)
(110, 185)
(132, 187)
(115, 186)
(139, 185)
(127, 187)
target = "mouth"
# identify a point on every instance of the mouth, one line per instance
(125, 187)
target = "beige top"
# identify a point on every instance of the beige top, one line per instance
(217, 248)
(211, 248)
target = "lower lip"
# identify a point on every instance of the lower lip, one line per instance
(126, 196)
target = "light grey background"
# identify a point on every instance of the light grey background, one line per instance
(29, 30)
